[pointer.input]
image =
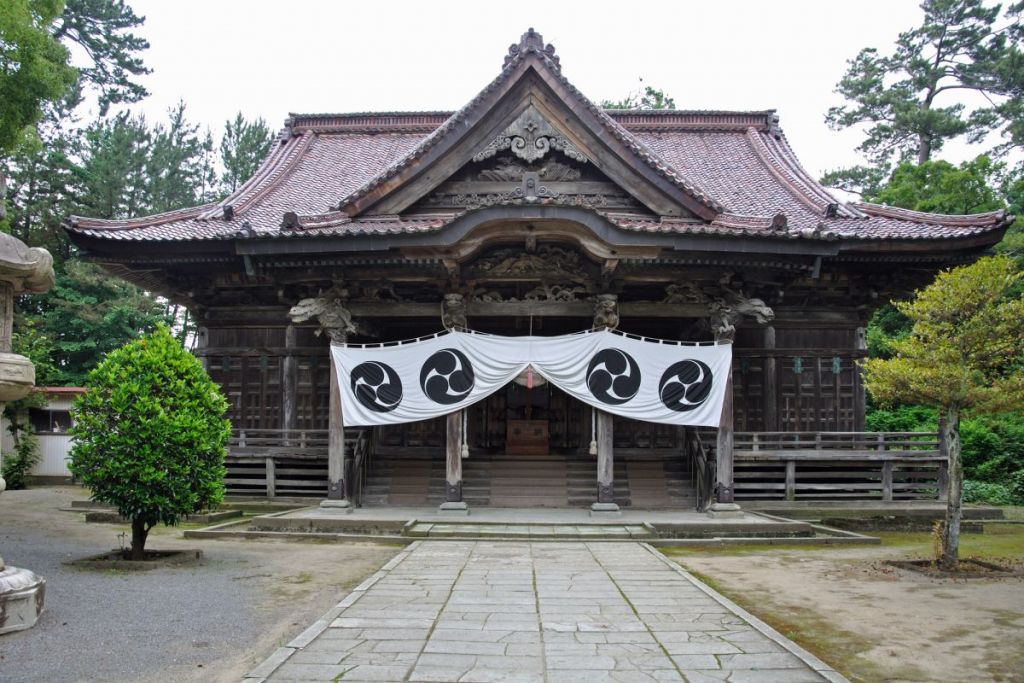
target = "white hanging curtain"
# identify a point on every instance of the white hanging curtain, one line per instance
(643, 379)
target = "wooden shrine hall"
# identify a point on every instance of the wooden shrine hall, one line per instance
(533, 211)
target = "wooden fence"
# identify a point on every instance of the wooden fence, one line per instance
(275, 462)
(885, 466)
(882, 466)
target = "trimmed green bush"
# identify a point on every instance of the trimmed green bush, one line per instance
(150, 435)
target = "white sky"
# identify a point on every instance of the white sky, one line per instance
(268, 57)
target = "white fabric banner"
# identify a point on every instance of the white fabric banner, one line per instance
(643, 379)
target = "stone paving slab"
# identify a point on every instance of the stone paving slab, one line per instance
(554, 612)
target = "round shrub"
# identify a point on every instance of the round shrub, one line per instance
(150, 435)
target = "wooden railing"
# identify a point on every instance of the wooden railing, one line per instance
(886, 466)
(280, 462)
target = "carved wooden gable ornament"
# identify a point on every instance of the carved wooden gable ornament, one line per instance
(533, 121)
(530, 137)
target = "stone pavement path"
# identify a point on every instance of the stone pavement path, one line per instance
(558, 612)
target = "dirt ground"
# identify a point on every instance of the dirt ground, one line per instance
(877, 623)
(214, 622)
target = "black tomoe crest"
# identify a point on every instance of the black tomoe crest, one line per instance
(685, 385)
(447, 376)
(613, 377)
(376, 386)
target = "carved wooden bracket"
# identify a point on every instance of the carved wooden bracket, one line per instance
(606, 311)
(453, 312)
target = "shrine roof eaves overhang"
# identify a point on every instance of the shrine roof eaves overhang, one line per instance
(734, 171)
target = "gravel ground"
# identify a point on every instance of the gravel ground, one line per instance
(211, 622)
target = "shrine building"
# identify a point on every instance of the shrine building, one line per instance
(531, 211)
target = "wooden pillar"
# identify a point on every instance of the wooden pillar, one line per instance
(859, 394)
(202, 342)
(289, 382)
(791, 480)
(336, 489)
(724, 447)
(770, 386)
(453, 453)
(605, 466)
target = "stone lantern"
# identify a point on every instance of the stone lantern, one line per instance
(22, 269)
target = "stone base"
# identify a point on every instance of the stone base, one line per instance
(605, 510)
(341, 506)
(725, 511)
(21, 599)
(459, 508)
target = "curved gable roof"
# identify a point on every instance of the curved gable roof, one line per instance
(731, 173)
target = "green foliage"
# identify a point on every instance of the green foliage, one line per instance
(941, 187)
(886, 325)
(27, 340)
(645, 97)
(131, 168)
(88, 314)
(18, 464)
(901, 98)
(33, 66)
(863, 180)
(101, 30)
(242, 149)
(150, 433)
(902, 419)
(965, 348)
(987, 493)
(993, 446)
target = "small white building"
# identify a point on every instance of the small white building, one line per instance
(51, 423)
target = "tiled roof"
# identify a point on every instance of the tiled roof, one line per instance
(738, 164)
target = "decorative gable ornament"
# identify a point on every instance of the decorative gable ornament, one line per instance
(530, 137)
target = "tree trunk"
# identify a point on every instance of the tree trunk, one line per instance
(924, 149)
(951, 531)
(139, 533)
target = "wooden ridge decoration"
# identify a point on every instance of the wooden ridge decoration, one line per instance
(530, 137)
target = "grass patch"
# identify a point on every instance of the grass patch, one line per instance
(1000, 541)
(838, 648)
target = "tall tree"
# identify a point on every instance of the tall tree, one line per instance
(102, 29)
(898, 95)
(965, 352)
(940, 187)
(242, 149)
(34, 67)
(645, 97)
(34, 70)
(911, 102)
(88, 314)
(176, 166)
(45, 182)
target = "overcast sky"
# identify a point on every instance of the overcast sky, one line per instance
(267, 58)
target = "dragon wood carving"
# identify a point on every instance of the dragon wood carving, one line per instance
(330, 312)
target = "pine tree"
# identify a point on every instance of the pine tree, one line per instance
(242, 149)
